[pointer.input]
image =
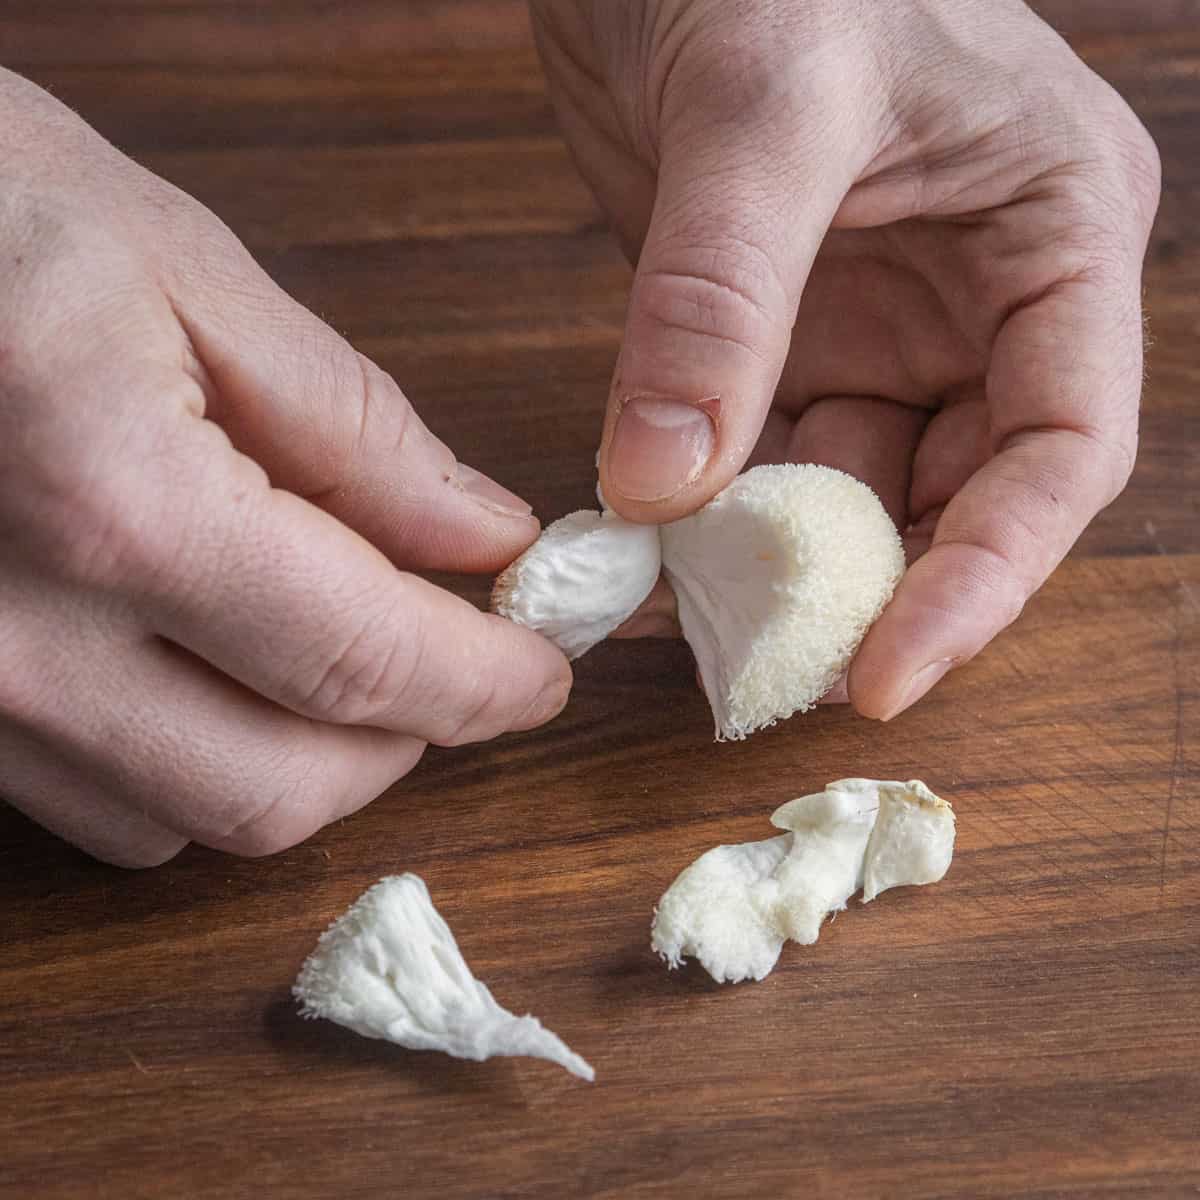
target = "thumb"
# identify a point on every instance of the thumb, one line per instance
(331, 427)
(730, 244)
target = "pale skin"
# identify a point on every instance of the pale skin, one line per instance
(904, 240)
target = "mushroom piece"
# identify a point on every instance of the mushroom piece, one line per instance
(390, 968)
(777, 580)
(582, 578)
(735, 906)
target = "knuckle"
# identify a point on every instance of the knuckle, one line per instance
(288, 807)
(92, 526)
(1117, 180)
(1011, 596)
(262, 838)
(385, 419)
(1124, 147)
(147, 854)
(474, 719)
(366, 677)
(717, 293)
(775, 79)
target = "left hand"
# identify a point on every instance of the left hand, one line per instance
(904, 240)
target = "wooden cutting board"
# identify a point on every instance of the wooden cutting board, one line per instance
(1029, 1027)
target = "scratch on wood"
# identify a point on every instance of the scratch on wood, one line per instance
(1185, 588)
(1177, 759)
(133, 1058)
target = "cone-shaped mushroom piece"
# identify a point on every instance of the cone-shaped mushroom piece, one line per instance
(390, 968)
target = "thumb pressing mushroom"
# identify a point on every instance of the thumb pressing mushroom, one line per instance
(777, 580)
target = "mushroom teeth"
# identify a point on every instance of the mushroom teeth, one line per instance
(778, 579)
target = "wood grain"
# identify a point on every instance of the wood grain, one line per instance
(1029, 1027)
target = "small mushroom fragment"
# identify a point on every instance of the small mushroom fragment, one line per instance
(586, 574)
(390, 968)
(777, 579)
(735, 906)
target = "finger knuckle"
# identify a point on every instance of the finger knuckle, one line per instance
(723, 293)
(288, 806)
(474, 718)
(146, 854)
(384, 418)
(261, 838)
(90, 523)
(1116, 181)
(777, 79)
(364, 678)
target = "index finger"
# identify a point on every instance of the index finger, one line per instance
(279, 595)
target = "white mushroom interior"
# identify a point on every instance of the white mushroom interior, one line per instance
(390, 968)
(735, 906)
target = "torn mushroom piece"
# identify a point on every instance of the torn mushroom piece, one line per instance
(735, 906)
(582, 578)
(390, 968)
(777, 580)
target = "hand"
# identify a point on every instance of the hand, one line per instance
(205, 497)
(900, 239)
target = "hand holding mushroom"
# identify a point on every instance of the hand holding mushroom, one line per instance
(210, 507)
(903, 240)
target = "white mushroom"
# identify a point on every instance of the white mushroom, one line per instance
(735, 906)
(586, 574)
(390, 968)
(777, 580)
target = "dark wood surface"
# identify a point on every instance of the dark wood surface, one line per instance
(1030, 1027)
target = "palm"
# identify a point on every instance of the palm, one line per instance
(886, 376)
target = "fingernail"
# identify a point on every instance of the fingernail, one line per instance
(489, 493)
(658, 447)
(920, 683)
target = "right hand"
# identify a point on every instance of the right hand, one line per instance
(208, 503)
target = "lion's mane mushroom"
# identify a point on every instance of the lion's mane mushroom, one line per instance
(735, 906)
(777, 580)
(390, 968)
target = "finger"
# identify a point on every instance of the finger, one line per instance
(657, 616)
(871, 322)
(730, 244)
(621, 182)
(774, 440)
(874, 440)
(1063, 394)
(955, 444)
(330, 426)
(143, 748)
(67, 802)
(282, 597)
